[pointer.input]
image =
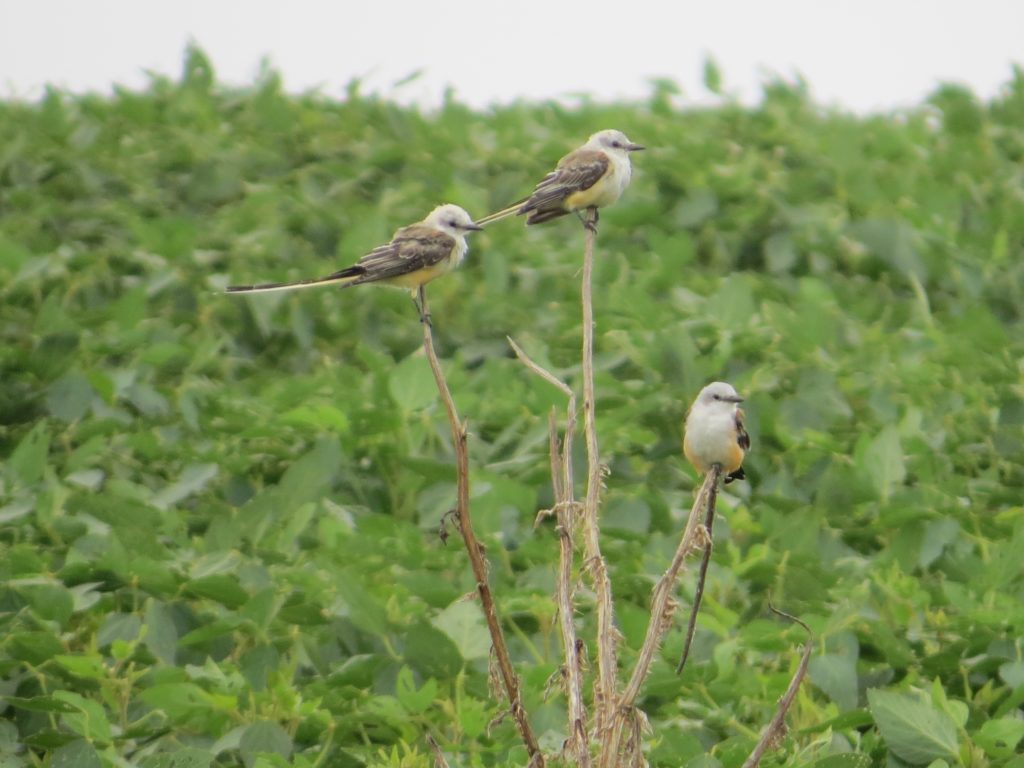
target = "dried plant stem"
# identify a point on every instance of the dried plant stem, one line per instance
(662, 608)
(777, 727)
(473, 546)
(702, 575)
(576, 746)
(607, 635)
(439, 760)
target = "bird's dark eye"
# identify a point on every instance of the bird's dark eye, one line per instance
(717, 397)
(454, 222)
(616, 143)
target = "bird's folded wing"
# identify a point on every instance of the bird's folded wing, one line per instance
(741, 432)
(576, 171)
(413, 248)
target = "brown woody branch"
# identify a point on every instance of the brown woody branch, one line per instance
(566, 509)
(607, 634)
(776, 729)
(662, 609)
(473, 546)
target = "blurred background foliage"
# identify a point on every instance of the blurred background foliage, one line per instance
(218, 515)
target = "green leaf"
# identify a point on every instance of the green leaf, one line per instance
(89, 666)
(846, 760)
(40, 704)
(90, 722)
(712, 76)
(69, 397)
(76, 754)
(836, 675)
(161, 636)
(999, 738)
(411, 383)
(27, 463)
(915, 731)
(415, 700)
(262, 737)
(463, 621)
(182, 757)
(881, 459)
(193, 479)
(33, 647)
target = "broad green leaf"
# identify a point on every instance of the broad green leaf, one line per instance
(28, 461)
(76, 754)
(463, 621)
(411, 383)
(90, 722)
(415, 700)
(915, 731)
(999, 738)
(264, 736)
(89, 666)
(161, 636)
(193, 479)
(836, 675)
(846, 760)
(182, 757)
(881, 459)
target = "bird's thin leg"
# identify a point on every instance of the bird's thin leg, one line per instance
(420, 300)
(590, 219)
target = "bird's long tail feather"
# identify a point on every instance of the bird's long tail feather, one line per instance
(344, 277)
(504, 213)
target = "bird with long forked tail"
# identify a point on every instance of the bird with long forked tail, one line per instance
(415, 255)
(593, 176)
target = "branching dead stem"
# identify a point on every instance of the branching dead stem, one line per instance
(776, 729)
(566, 510)
(607, 636)
(473, 547)
(662, 608)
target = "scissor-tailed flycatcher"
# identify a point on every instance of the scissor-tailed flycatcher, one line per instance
(593, 176)
(715, 433)
(416, 255)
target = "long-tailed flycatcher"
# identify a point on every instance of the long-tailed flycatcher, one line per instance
(714, 432)
(593, 176)
(416, 255)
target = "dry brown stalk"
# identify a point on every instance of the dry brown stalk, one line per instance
(777, 727)
(702, 575)
(662, 608)
(576, 746)
(473, 546)
(607, 634)
(439, 759)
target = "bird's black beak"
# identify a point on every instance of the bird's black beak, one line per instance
(473, 227)
(635, 147)
(736, 399)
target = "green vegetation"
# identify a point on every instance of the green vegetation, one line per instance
(218, 516)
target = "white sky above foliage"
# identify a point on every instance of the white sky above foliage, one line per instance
(863, 55)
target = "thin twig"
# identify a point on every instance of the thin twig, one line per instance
(439, 760)
(607, 635)
(473, 546)
(662, 608)
(565, 507)
(777, 726)
(702, 575)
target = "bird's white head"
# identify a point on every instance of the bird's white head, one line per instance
(718, 396)
(452, 220)
(613, 141)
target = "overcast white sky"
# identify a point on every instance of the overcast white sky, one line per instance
(862, 55)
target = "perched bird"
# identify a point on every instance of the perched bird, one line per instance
(714, 431)
(593, 176)
(416, 255)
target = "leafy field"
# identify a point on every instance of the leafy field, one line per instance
(219, 516)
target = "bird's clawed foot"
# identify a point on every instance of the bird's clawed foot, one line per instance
(589, 219)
